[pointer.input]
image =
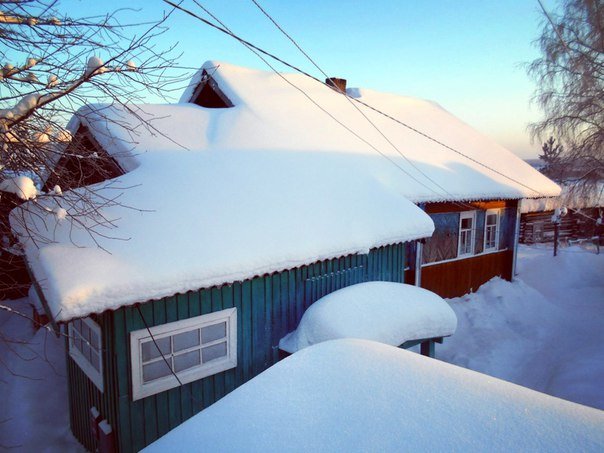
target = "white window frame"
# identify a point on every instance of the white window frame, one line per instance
(467, 215)
(95, 376)
(488, 212)
(141, 389)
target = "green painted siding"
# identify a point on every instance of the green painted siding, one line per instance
(268, 307)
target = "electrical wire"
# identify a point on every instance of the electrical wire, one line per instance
(253, 49)
(180, 383)
(297, 69)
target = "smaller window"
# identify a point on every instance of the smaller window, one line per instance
(190, 349)
(85, 348)
(491, 230)
(466, 233)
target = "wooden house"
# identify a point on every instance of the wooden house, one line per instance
(584, 206)
(241, 206)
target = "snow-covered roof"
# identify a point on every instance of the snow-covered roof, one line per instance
(573, 196)
(358, 395)
(388, 312)
(283, 114)
(269, 184)
(214, 202)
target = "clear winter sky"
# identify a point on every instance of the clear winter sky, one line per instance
(467, 55)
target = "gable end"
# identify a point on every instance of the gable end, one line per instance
(208, 94)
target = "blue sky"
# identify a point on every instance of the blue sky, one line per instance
(467, 55)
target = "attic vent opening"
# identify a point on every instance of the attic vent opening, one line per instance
(336, 83)
(208, 94)
(84, 162)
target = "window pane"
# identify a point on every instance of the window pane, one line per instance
(492, 219)
(186, 360)
(150, 351)
(95, 360)
(186, 340)
(214, 352)
(85, 332)
(86, 350)
(156, 370)
(94, 340)
(214, 332)
(466, 223)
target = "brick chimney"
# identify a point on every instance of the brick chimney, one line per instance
(336, 84)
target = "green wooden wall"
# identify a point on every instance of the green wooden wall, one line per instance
(268, 307)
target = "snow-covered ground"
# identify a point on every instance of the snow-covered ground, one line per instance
(545, 332)
(34, 415)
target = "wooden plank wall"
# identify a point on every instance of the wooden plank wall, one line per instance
(573, 225)
(268, 307)
(83, 394)
(458, 277)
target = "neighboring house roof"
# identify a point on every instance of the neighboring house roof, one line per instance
(573, 196)
(220, 195)
(357, 395)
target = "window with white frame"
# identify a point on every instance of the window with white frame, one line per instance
(85, 348)
(491, 230)
(190, 349)
(465, 245)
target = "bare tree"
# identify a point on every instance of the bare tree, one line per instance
(53, 65)
(570, 79)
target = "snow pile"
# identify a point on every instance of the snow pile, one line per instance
(387, 312)
(26, 103)
(544, 331)
(357, 395)
(33, 386)
(21, 186)
(95, 65)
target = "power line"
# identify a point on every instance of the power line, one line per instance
(180, 383)
(297, 69)
(349, 100)
(253, 49)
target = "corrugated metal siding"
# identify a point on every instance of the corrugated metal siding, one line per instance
(268, 307)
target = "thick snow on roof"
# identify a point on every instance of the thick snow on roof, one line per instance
(436, 173)
(357, 395)
(217, 200)
(571, 197)
(388, 312)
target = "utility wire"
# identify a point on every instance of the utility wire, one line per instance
(180, 383)
(254, 50)
(350, 100)
(297, 69)
(358, 109)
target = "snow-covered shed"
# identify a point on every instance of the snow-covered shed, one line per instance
(392, 313)
(235, 210)
(358, 395)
